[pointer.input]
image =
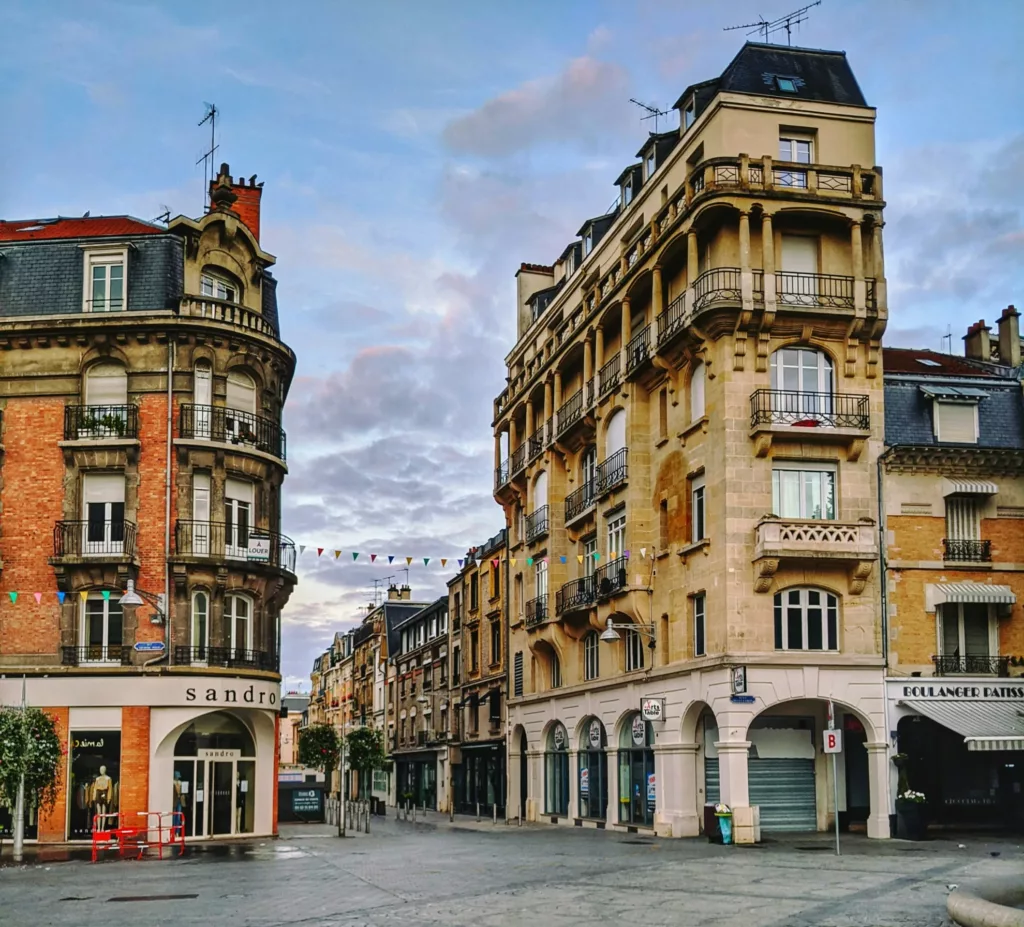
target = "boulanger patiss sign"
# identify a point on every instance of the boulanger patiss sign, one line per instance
(992, 692)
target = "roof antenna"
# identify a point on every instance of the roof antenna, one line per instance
(786, 22)
(376, 591)
(947, 339)
(165, 216)
(207, 159)
(652, 112)
(405, 570)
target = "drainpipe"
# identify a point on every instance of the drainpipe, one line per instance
(508, 675)
(884, 597)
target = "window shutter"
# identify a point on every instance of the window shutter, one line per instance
(517, 675)
(241, 392)
(106, 385)
(956, 422)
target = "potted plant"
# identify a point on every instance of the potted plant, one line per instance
(911, 818)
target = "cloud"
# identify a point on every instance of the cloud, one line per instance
(584, 105)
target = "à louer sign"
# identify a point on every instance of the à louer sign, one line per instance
(991, 691)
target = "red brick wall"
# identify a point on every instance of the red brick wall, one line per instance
(33, 496)
(134, 761)
(152, 504)
(53, 820)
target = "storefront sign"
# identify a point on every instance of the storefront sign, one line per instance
(739, 680)
(259, 548)
(559, 737)
(833, 741)
(306, 801)
(993, 691)
(291, 777)
(584, 782)
(213, 754)
(595, 734)
(639, 731)
(149, 646)
(653, 709)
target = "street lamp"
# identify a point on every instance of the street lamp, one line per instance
(611, 632)
(133, 598)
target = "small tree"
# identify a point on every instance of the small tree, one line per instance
(29, 746)
(366, 751)
(320, 748)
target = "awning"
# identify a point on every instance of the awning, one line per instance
(968, 487)
(966, 394)
(986, 725)
(973, 592)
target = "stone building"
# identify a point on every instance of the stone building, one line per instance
(686, 454)
(141, 391)
(953, 503)
(479, 679)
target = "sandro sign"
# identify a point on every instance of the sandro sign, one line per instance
(229, 695)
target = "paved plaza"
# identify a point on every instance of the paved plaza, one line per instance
(478, 874)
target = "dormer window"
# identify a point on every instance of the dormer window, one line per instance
(649, 164)
(570, 263)
(588, 242)
(689, 114)
(627, 192)
(217, 287)
(955, 413)
(105, 280)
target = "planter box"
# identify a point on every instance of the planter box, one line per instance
(912, 821)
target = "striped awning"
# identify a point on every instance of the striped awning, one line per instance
(986, 725)
(984, 593)
(968, 487)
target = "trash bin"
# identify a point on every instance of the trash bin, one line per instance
(711, 828)
(724, 815)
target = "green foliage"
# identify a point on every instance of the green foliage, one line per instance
(319, 747)
(29, 745)
(366, 749)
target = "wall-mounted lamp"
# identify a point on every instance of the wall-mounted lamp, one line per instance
(611, 632)
(133, 598)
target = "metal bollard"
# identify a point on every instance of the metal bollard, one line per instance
(519, 820)
(478, 812)
(368, 808)
(494, 813)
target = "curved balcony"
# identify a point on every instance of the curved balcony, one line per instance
(537, 524)
(232, 426)
(537, 611)
(100, 422)
(576, 595)
(233, 314)
(220, 542)
(720, 284)
(227, 657)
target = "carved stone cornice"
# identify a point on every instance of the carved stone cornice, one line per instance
(955, 461)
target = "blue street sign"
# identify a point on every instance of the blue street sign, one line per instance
(742, 699)
(149, 646)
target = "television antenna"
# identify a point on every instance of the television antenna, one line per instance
(376, 591)
(405, 570)
(947, 339)
(165, 216)
(652, 112)
(207, 159)
(768, 28)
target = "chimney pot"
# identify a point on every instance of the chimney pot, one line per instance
(1009, 337)
(977, 344)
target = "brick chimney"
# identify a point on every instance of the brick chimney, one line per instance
(238, 197)
(405, 593)
(393, 592)
(1009, 337)
(977, 344)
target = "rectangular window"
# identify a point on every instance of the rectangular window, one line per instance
(540, 572)
(800, 493)
(663, 538)
(238, 517)
(650, 165)
(589, 560)
(456, 665)
(474, 592)
(699, 636)
(588, 242)
(963, 522)
(689, 114)
(956, 422)
(101, 633)
(627, 192)
(591, 656)
(474, 651)
(495, 580)
(634, 651)
(494, 704)
(662, 413)
(217, 288)
(617, 534)
(105, 281)
(797, 150)
(965, 630)
(495, 642)
(103, 505)
(697, 513)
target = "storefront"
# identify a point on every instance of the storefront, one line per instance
(416, 779)
(637, 784)
(201, 746)
(480, 779)
(556, 771)
(593, 771)
(960, 741)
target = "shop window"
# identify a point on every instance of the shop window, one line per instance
(556, 771)
(637, 792)
(95, 780)
(803, 490)
(806, 619)
(593, 771)
(591, 656)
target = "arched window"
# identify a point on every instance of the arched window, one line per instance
(202, 401)
(556, 771)
(637, 796)
(106, 398)
(540, 490)
(556, 671)
(697, 408)
(801, 370)
(806, 619)
(218, 286)
(591, 661)
(615, 437)
(200, 625)
(593, 771)
(238, 613)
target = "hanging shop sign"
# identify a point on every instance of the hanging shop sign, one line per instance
(653, 709)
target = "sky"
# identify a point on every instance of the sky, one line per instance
(414, 153)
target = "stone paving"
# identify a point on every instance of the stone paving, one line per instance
(433, 873)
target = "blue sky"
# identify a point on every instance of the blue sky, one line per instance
(414, 153)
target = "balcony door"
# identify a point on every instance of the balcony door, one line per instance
(802, 382)
(238, 611)
(103, 514)
(588, 475)
(200, 514)
(798, 282)
(968, 636)
(101, 632)
(106, 393)
(237, 517)
(240, 415)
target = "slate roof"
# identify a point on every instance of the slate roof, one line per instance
(819, 74)
(82, 227)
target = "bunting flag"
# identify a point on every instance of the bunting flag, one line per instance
(60, 595)
(579, 558)
(444, 560)
(106, 595)
(373, 558)
(643, 552)
(597, 556)
(83, 595)
(355, 555)
(302, 549)
(408, 561)
(459, 562)
(14, 597)
(529, 561)
(319, 551)
(337, 554)
(625, 554)
(391, 558)
(611, 555)
(495, 562)
(562, 559)
(38, 596)
(513, 561)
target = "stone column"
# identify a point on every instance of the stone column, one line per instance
(611, 814)
(547, 403)
(657, 297)
(878, 788)
(768, 261)
(558, 390)
(878, 269)
(497, 451)
(574, 784)
(513, 436)
(598, 349)
(627, 328)
(529, 419)
(746, 273)
(692, 265)
(675, 768)
(857, 259)
(588, 366)
(732, 771)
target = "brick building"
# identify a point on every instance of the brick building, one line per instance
(953, 503)
(141, 392)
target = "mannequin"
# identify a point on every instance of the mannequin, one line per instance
(239, 805)
(101, 794)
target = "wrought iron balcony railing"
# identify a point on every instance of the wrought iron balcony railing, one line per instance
(611, 577)
(93, 539)
(218, 423)
(571, 412)
(517, 460)
(82, 422)
(671, 320)
(221, 541)
(575, 595)
(638, 349)
(967, 551)
(716, 285)
(609, 375)
(501, 474)
(824, 410)
(120, 654)
(612, 471)
(537, 523)
(971, 665)
(537, 611)
(579, 500)
(536, 442)
(230, 657)
(829, 291)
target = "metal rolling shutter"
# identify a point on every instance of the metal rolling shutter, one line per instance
(783, 789)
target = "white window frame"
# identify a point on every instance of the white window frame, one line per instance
(822, 372)
(963, 517)
(809, 470)
(650, 163)
(200, 636)
(698, 509)
(700, 625)
(540, 577)
(214, 286)
(616, 533)
(937, 407)
(689, 113)
(627, 191)
(591, 656)
(570, 263)
(108, 490)
(827, 601)
(698, 386)
(233, 507)
(104, 257)
(230, 604)
(961, 649)
(634, 651)
(589, 549)
(105, 607)
(115, 375)
(797, 145)
(588, 242)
